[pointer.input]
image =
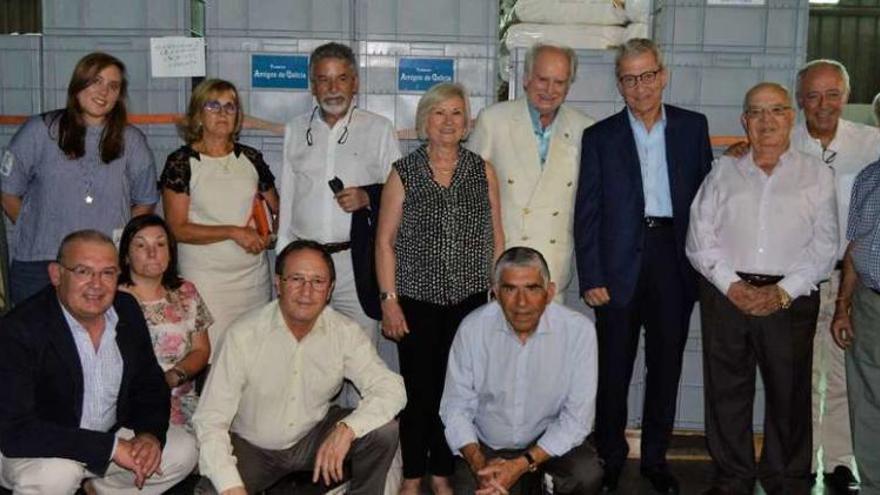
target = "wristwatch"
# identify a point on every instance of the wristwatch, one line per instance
(384, 296)
(533, 466)
(180, 374)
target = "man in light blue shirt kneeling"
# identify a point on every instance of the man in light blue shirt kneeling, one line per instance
(520, 387)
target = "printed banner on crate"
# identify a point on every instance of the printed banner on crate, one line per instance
(177, 56)
(280, 71)
(419, 74)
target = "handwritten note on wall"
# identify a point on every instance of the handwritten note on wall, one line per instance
(177, 56)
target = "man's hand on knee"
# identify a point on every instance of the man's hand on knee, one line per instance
(500, 475)
(331, 454)
(147, 452)
(124, 456)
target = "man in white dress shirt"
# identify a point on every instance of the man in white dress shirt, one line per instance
(336, 139)
(763, 234)
(847, 147)
(266, 412)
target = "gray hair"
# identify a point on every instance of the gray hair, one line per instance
(765, 85)
(332, 50)
(539, 47)
(521, 256)
(87, 235)
(637, 46)
(876, 106)
(435, 96)
(822, 62)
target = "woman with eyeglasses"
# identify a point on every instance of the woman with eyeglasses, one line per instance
(211, 189)
(439, 233)
(176, 315)
(74, 168)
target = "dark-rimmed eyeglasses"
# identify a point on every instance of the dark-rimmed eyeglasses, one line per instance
(214, 106)
(342, 137)
(828, 156)
(630, 81)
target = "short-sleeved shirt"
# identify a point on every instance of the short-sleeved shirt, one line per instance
(863, 230)
(61, 195)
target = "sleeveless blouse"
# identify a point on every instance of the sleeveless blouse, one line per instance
(444, 244)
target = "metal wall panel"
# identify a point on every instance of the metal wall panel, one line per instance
(20, 75)
(850, 34)
(324, 19)
(466, 21)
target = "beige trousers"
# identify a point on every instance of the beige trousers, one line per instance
(56, 476)
(831, 428)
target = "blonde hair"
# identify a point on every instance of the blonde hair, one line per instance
(433, 97)
(190, 127)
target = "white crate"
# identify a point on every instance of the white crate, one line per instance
(145, 94)
(459, 21)
(330, 19)
(123, 17)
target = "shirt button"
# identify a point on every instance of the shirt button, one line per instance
(760, 250)
(555, 213)
(569, 184)
(526, 211)
(510, 181)
(552, 241)
(525, 238)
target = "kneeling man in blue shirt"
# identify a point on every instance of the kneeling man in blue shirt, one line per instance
(520, 387)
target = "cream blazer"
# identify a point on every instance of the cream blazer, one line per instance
(537, 206)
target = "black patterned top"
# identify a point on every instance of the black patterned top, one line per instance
(177, 172)
(445, 242)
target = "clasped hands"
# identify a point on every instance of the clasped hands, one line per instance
(755, 301)
(141, 455)
(496, 476)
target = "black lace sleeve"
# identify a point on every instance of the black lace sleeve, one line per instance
(177, 172)
(265, 179)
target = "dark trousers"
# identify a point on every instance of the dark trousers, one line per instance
(423, 355)
(781, 346)
(26, 278)
(369, 457)
(661, 305)
(577, 472)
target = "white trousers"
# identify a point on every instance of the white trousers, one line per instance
(56, 476)
(831, 428)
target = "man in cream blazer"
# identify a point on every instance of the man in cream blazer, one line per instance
(535, 143)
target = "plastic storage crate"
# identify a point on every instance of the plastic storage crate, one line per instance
(473, 63)
(463, 21)
(145, 94)
(20, 75)
(715, 83)
(777, 26)
(330, 19)
(128, 17)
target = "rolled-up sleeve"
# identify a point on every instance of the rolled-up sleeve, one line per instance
(458, 407)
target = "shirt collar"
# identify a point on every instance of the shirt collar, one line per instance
(536, 119)
(111, 318)
(343, 119)
(633, 121)
(278, 324)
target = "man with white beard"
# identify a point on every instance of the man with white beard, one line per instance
(336, 139)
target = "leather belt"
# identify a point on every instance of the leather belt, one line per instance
(657, 222)
(759, 279)
(335, 247)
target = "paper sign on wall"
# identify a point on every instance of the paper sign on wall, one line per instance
(177, 56)
(280, 71)
(419, 74)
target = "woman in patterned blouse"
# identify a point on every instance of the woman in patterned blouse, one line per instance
(176, 316)
(439, 233)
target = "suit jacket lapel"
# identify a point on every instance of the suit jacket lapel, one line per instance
(672, 162)
(62, 339)
(523, 137)
(630, 154)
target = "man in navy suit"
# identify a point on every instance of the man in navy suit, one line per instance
(640, 169)
(81, 393)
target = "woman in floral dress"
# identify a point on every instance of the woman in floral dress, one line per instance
(176, 315)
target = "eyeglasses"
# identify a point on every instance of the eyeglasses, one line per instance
(648, 78)
(298, 282)
(775, 111)
(215, 106)
(84, 273)
(828, 156)
(342, 137)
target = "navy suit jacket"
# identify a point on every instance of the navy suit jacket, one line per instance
(609, 226)
(41, 384)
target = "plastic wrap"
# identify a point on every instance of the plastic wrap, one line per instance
(601, 12)
(577, 36)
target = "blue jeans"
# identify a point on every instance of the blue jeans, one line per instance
(26, 278)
